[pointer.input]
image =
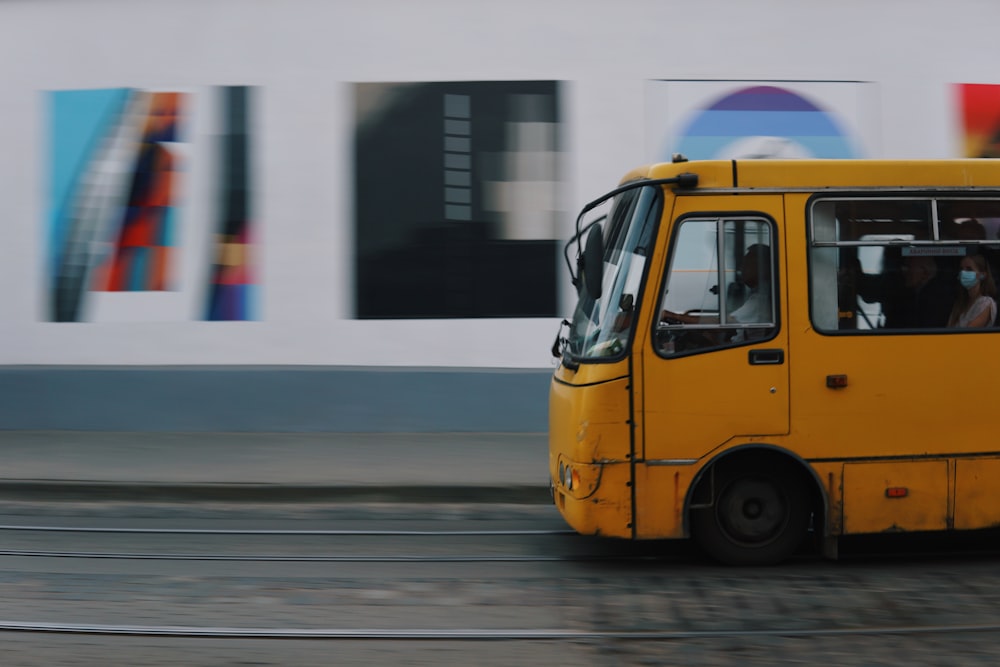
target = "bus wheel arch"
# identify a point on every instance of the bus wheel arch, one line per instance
(752, 505)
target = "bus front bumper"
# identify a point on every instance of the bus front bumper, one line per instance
(594, 498)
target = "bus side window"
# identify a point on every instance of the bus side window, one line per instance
(895, 260)
(719, 289)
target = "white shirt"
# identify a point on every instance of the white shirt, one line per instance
(981, 303)
(756, 309)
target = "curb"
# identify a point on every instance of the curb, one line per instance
(83, 491)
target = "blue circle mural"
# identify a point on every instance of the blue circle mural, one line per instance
(763, 122)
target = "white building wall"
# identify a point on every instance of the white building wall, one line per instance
(304, 54)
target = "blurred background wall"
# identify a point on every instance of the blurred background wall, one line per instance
(335, 215)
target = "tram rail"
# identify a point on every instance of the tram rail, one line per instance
(479, 634)
(872, 547)
(312, 558)
(256, 531)
(361, 558)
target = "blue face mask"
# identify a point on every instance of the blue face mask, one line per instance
(968, 278)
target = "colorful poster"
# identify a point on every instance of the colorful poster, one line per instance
(119, 160)
(232, 279)
(760, 119)
(979, 105)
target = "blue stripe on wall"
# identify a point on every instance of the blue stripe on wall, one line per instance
(274, 399)
(763, 123)
(706, 148)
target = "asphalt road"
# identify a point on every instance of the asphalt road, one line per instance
(462, 568)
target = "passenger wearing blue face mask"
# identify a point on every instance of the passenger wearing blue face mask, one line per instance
(976, 305)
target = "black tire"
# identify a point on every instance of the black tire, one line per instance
(759, 515)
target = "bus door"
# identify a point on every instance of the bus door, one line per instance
(718, 368)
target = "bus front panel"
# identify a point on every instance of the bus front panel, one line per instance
(590, 455)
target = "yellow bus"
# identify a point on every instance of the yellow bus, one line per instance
(764, 350)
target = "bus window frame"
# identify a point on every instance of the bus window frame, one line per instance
(934, 198)
(720, 218)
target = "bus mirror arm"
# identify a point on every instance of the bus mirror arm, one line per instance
(685, 180)
(575, 276)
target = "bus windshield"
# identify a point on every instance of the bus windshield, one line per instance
(601, 328)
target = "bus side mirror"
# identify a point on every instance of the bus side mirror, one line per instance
(592, 263)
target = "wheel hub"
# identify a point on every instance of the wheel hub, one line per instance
(752, 511)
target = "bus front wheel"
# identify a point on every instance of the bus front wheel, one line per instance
(759, 515)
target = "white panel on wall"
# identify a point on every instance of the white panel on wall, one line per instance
(626, 74)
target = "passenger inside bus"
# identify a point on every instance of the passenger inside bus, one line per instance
(963, 230)
(918, 296)
(976, 305)
(971, 229)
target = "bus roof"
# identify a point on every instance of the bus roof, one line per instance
(822, 174)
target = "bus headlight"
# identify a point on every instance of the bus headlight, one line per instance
(582, 479)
